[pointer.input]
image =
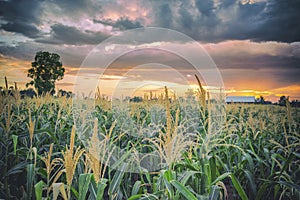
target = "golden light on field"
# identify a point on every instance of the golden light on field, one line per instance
(149, 90)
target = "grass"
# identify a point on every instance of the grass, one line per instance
(253, 154)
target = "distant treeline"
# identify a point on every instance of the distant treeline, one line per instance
(30, 92)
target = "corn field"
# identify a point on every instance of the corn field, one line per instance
(253, 155)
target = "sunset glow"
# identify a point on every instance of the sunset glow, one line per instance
(150, 99)
(252, 60)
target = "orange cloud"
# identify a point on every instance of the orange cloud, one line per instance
(254, 84)
(14, 69)
(272, 95)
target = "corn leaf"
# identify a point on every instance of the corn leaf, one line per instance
(238, 187)
(39, 190)
(183, 190)
(84, 182)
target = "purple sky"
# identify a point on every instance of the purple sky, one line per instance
(255, 44)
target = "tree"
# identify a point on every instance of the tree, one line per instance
(136, 99)
(27, 93)
(260, 100)
(295, 103)
(63, 93)
(45, 70)
(282, 100)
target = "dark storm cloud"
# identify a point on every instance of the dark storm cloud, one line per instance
(23, 10)
(196, 20)
(72, 6)
(124, 24)
(24, 51)
(186, 18)
(121, 24)
(205, 7)
(20, 16)
(162, 13)
(245, 23)
(281, 22)
(256, 62)
(62, 34)
(227, 3)
(287, 76)
(270, 20)
(273, 20)
(204, 20)
(165, 15)
(76, 8)
(18, 27)
(265, 21)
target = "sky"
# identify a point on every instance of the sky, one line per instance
(255, 44)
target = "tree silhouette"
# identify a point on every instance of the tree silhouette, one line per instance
(136, 99)
(282, 100)
(260, 100)
(27, 93)
(45, 70)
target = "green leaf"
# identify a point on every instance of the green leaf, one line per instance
(149, 197)
(39, 190)
(101, 186)
(135, 188)
(276, 191)
(183, 190)
(167, 177)
(121, 160)
(93, 189)
(221, 177)
(214, 192)
(30, 180)
(186, 176)
(290, 185)
(262, 190)
(250, 161)
(48, 132)
(137, 196)
(213, 168)
(17, 168)
(238, 187)
(116, 181)
(74, 192)
(84, 182)
(15, 142)
(286, 164)
(251, 181)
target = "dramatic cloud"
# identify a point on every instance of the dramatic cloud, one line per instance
(210, 21)
(120, 24)
(204, 20)
(61, 34)
(255, 55)
(20, 16)
(279, 22)
(248, 39)
(71, 55)
(26, 29)
(164, 15)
